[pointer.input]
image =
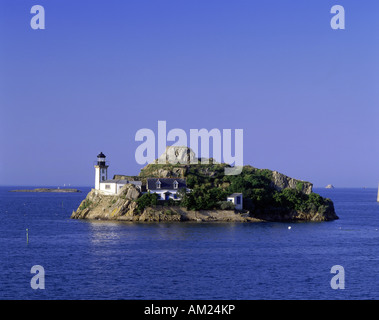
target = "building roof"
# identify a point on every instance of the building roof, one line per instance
(122, 181)
(101, 155)
(166, 183)
(233, 195)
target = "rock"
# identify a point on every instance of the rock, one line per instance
(177, 154)
(108, 207)
(97, 206)
(163, 171)
(47, 190)
(132, 193)
(124, 206)
(329, 186)
(124, 177)
(278, 214)
(281, 181)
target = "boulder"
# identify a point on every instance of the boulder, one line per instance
(177, 155)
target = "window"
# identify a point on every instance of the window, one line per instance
(107, 186)
(158, 184)
(176, 184)
(239, 200)
(102, 178)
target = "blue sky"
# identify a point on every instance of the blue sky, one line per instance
(306, 95)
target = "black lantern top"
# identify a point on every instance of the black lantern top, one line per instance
(101, 159)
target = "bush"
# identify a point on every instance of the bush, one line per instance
(85, 204)
(300, 186)
(204, 197)
(147, 200)
(210, 187)
(226, 205)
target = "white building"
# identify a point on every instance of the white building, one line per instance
(114, 186)
(237, 199)
(166, 188)
(101, 170)
(101, 178)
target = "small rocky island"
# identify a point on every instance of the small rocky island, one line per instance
(267, 195)
(46, 190)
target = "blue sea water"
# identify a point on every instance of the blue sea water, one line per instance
(110, 260)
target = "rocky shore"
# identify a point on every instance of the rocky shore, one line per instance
(123, 207)
(267, 195)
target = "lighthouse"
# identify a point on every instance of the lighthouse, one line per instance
(101, 170)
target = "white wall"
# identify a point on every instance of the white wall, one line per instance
(111, 190)
(101, 174)
(162, 195)
(97, 178)
(234, 200)
(114, 188)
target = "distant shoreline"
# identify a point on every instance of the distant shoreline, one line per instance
(47, 190)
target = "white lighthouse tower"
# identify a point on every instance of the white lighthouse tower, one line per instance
(101, 170)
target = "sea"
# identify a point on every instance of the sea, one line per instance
(103, 260)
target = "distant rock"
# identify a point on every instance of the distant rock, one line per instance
(329, 186)
(47, 190)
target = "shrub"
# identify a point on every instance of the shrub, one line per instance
(226, 205)
(210, 187)
(147, 200)
(300, 186)
(85, 204)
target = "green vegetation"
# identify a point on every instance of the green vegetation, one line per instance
(147, 200)
(85, 204)
(210, 187)
(209, 191)
(226, 205)
(299, 186)
(170, 213)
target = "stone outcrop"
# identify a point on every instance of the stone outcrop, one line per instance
(177, 154)
(163, 171)
(108, 207)
(329, 186)
(177, 171)
(161, 213)
(124, 177)
(281, 181)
